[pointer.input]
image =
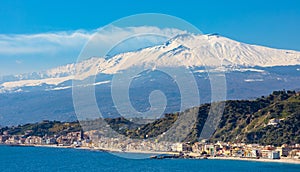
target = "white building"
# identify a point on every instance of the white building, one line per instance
(274, 155)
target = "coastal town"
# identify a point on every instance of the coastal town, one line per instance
(199, 150)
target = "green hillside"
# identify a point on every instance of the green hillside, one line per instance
(242, 121)
(248, 121)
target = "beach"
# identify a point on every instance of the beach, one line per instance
(282, 160)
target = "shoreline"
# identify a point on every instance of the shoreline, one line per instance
(129, 152)
(92, 149)
(281, 160)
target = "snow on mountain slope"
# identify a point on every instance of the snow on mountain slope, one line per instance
(183, 50)
(30, 83)
(193, 51)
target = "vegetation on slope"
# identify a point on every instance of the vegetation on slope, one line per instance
(242, 121)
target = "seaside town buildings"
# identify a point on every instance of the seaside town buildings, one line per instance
(94, 140)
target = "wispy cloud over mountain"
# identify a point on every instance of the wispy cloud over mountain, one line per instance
(47, 50)
(41, 43)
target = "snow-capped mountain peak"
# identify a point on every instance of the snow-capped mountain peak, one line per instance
(183, 50)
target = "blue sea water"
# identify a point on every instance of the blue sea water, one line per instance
(58, 159)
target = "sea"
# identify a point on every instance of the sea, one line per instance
(14, 158)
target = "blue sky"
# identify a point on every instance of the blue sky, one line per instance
(269, 23)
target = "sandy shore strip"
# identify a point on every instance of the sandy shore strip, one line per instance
(282, 160)
(130, 151)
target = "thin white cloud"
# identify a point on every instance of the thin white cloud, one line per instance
(41, 43)
(114, 37)
(19, 61)
(45, 43)
(44, 51)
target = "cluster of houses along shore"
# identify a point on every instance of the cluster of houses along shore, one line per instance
(198, 149)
